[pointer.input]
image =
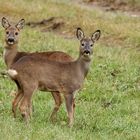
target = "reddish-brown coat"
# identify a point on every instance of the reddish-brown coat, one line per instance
(12, 55)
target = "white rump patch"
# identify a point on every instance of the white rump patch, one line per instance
(12, 72)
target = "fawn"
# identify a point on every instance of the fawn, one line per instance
(32, 73)
(12, 55)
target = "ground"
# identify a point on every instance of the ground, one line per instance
(108, 106)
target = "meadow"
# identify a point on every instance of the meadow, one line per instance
(108, 106)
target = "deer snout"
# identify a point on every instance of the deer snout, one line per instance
(11, 40)
(87, 52)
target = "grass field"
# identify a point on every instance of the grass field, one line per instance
(131, 4)
(108, 107)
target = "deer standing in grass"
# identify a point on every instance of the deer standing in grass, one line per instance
(32, 73)
(12, 55)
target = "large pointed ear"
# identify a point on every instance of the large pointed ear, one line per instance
(96, 35)
(5, 23)
(20, 24)
(80, 34)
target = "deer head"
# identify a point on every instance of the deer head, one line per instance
(87, 43)
(12, 31)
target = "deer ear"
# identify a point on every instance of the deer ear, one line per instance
(96, 35)
(20, 24)
(5, 23)
(80, 34)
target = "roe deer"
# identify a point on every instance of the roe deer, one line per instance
(11, 54)
(32, 73)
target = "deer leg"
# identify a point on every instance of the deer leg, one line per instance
(16, 100)
(25, 105)
(31, 109)
(70, 107)
(58, 102)
(24, 109)
(73, 106)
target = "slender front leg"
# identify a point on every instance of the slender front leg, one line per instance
(69, 98)
(58, 102)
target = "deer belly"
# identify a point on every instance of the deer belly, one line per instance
(47, 87)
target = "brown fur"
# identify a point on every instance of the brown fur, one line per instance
(38, 73)
(12, 55)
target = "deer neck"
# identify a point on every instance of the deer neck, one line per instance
(9, 54)
(83, 64)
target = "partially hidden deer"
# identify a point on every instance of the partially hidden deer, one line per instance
(34, 73)
(12, 55)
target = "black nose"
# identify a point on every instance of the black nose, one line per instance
(87, 52)
(10, 40)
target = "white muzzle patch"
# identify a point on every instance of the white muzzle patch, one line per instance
(10, 43)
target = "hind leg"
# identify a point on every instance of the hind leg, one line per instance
(73, 106)
(58, 102)
(16, 101)
(26, 105)
(30, 109)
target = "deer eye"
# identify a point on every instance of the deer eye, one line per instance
(16, 33)
(7, 32)
(91, 45)
(82, 44)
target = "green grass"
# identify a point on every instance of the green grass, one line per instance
(108, 107)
